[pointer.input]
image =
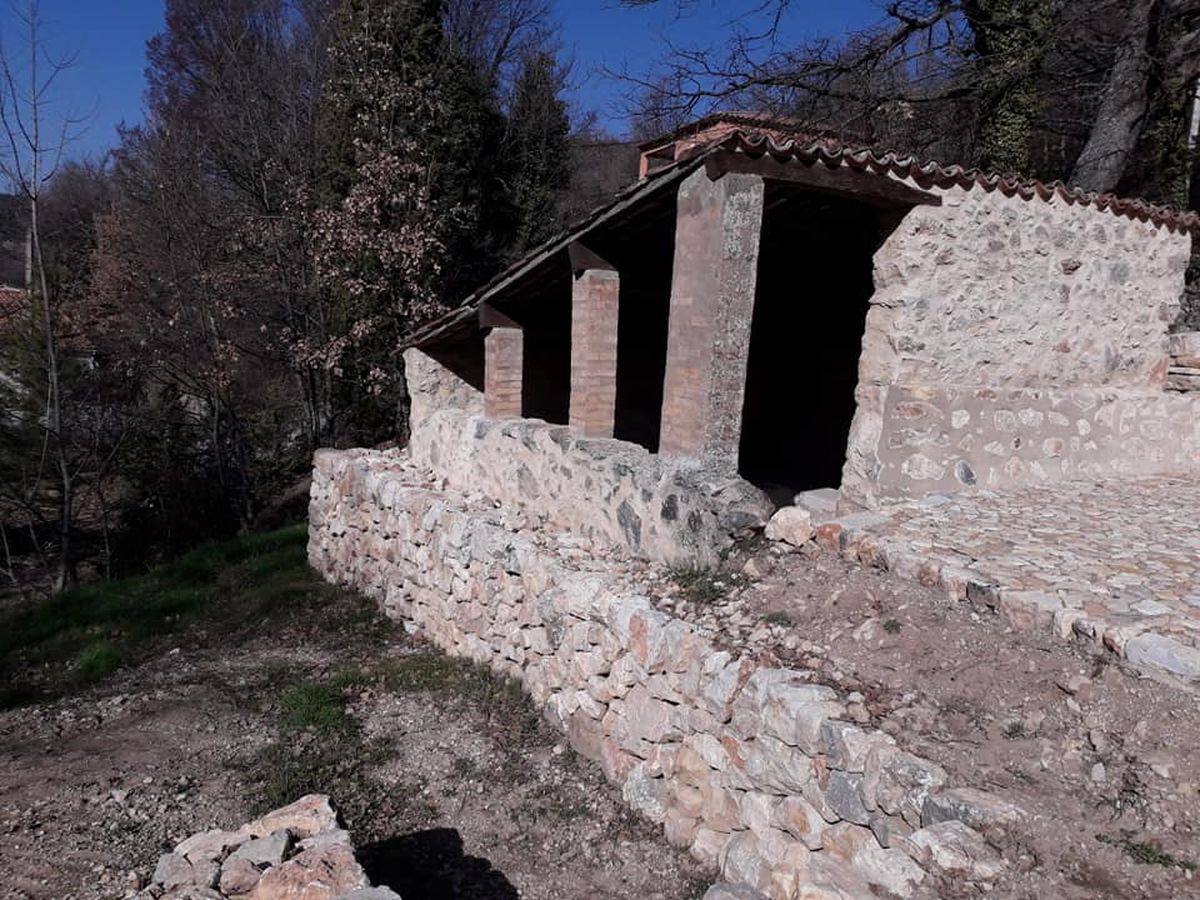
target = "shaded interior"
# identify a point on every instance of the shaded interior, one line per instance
(813, 292)
(641, 246)
(643, 252)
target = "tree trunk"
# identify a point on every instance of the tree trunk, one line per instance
(1123, 104)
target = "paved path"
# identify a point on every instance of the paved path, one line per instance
(1115, 561)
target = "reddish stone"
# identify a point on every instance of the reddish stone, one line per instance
(829, 536)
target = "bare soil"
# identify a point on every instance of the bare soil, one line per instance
(1102, 760)
(448, 793)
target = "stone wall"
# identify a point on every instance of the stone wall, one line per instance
(606, 492)
(1183, 375)
(1021, 341)
(937, 439)
(753, 769)
(435, 384)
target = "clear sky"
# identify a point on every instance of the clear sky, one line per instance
(109, 38)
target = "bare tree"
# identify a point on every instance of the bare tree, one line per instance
(496, 35)
(1044, 88)
(34, 147)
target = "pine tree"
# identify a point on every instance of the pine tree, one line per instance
(539, 150)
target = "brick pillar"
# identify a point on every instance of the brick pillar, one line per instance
(594, 309)
(717, 235)
(503, 361)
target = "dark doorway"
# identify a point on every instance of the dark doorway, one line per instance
(814, 288)
(541, 305)
(546, 364)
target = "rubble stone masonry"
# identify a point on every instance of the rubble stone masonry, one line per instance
(753, 769)
(611, 493)
(1013, 342)
(1184, 372)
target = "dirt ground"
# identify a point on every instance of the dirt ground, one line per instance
(448, 783)
(453, 788)
(1103, 761)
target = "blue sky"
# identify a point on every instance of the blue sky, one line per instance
(109, 38)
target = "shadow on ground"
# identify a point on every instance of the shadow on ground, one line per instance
(431, 865)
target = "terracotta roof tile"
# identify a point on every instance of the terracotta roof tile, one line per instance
(13, 304)
(932, 173)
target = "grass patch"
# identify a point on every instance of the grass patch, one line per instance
(1130, 797)
(1145, 853)
(1014, 730)
(285, 771)
(892, 626)
(319, 706)
(506, 705)
(98, 661)
(218, 592)
(701, 585)
(323, 750)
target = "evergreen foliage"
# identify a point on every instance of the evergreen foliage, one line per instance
(539, 151)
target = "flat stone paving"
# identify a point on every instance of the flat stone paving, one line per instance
(1114, 561)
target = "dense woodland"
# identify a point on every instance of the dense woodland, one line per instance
(314, 179)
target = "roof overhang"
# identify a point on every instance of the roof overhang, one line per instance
(887, 181)
(874, 189)
(466, 317)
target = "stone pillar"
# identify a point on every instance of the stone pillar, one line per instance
(717, 235)
(504, 360)
(594, 309)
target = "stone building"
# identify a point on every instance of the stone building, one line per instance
(800, 314)
(760, 316)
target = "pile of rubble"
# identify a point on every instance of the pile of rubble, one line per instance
(299, 852)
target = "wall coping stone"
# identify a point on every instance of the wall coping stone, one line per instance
(613, 493)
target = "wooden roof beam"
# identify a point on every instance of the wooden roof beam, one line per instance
(583, 259)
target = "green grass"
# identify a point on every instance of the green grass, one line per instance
(1145, 853)
(320, 706)
(503, 701)
(222, 588)
(700, 585)
(98, 660)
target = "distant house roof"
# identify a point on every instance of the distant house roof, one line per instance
(13, 304)
(756, 137)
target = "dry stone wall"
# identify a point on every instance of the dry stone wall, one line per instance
(433, 386)
(934, 439)
(1015, 341)
(610, 493)
(751, 768)
(1184, 372)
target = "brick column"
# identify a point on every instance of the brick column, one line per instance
(503, 362)
(717, 235)
(594, 308)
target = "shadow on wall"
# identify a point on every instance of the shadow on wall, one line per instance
(431, 865)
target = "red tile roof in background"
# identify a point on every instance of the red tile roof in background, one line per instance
(13, 304)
